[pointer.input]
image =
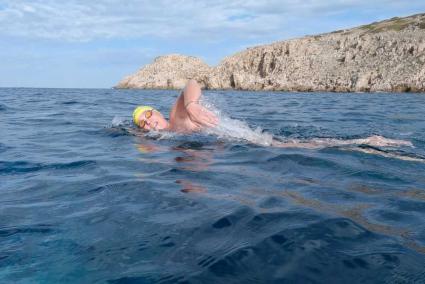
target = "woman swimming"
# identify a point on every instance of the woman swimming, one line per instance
(186, 115)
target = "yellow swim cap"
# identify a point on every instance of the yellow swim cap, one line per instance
(138, 111)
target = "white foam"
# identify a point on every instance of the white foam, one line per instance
(118, 121)
(374, 141)
(233, 129)
(388, 154)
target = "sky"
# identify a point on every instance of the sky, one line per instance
(94, 44)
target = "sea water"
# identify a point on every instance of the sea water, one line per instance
(85, 197)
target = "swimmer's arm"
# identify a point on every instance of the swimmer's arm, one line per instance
(296, 144)
(191, 93)
(196, 112)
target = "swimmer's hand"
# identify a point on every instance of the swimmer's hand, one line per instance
(201, 116)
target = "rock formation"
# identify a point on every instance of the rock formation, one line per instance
(387, 56)
(167, 72)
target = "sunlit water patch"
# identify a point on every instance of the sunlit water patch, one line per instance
(289, 188)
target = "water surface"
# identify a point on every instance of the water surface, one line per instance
(86, 198)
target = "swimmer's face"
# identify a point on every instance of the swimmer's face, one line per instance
(152, 120)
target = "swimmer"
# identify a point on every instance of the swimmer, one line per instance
(187, 114)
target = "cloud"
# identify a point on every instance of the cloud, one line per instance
(78, 20)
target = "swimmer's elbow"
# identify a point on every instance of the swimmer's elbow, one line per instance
(192, 84)
(192, 81)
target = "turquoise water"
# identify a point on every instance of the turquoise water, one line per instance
(87, 198)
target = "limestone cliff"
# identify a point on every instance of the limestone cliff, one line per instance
(167, 72)
(385, 56)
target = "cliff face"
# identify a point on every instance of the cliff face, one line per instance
(385, 56)
(167, 72)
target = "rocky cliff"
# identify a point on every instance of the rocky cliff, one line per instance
(386, 56)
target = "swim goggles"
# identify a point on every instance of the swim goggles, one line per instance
(148, 114)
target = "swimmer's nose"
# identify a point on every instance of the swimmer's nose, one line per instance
(152, 125)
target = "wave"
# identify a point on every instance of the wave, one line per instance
(30, 229)
(22, 167)
(3, 148)
(70, 103)
(394, 155)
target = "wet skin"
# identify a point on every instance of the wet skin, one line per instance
(186, 115)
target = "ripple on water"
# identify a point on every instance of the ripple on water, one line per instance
(392, 216)
(272, 202)
(3, 107)
(22, 167)
(4, 148)
(304, 160)
(70, 103)
(32, 229)
(87, 198)
(310, 254)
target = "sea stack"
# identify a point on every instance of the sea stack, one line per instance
(387, 56)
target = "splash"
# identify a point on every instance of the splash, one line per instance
(119, 121)
(236, 130)
(232, 129)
